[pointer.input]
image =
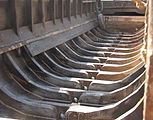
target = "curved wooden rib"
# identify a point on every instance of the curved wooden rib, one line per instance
(104, 72)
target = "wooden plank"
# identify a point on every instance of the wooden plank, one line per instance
(149, 92)
(3, 3)
(13, 41)
(55, 39)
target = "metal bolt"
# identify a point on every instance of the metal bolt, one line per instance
(62, 116)
(85, 88)
(75, 99)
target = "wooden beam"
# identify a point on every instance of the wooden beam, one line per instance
(54, 11)
(58, 37)
(62, 10)
(86, 8)
(69, 9)
(42, 6)
(75, 3)
(14, 15)
(149, 92)
(81, 8)
(140, 4)
(31, 20)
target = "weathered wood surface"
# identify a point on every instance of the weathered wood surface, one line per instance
(149, 94)
(96, 75)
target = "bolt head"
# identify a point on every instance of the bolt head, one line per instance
(85, 88)
(75, 99)
(62, 116)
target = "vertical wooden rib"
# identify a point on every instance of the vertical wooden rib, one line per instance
(75, 2)
(92, 5)
(62, 10)
(69, 10)
(81, 8)
(90, 8)
(14, 15)
(31, 21)
(54, 11)
(42, 2)
(86, 9)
